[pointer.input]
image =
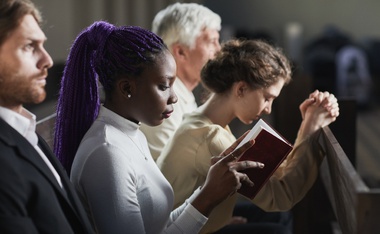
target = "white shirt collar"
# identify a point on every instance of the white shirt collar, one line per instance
(24, 123)
(119, 122)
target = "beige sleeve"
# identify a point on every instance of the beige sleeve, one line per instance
(295, 176)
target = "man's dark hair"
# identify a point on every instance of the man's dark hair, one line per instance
(11, 13)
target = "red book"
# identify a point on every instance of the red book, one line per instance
(270, 148)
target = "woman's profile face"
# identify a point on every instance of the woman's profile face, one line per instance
(154, 94)
(256, 103)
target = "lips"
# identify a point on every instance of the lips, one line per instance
(41, 81)
(167, 114)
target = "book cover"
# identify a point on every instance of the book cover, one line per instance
(270, 148)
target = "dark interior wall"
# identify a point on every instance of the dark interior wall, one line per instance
(64, 19)
(358, 18)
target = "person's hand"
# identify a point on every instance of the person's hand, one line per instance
(223, 178)
(308, 102)
(232, 148)
(319, 110)
(328, 100)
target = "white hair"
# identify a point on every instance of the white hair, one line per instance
(184, 22)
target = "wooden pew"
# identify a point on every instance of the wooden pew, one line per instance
(338, 179)
(355, 205)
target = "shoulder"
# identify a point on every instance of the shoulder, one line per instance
(100, 151)
(99, 155)
(197, 137)
(219, 139)
(200, 127)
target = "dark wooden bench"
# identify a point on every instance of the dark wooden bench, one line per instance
(339, 201)
(356, 206)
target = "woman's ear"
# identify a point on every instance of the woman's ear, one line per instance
(126, 87)
(240, 89)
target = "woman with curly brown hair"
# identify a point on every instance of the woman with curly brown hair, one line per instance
(245, 78)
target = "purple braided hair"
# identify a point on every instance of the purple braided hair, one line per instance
(100, 51)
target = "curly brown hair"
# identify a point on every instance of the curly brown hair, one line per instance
(253, 61)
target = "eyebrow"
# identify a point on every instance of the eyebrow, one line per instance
(36, 38)
(270, 95)
(167, 76)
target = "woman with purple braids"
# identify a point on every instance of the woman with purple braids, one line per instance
(101, 145)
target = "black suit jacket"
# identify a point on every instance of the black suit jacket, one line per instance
(31, 200)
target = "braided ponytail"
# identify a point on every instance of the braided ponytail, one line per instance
(104, 52)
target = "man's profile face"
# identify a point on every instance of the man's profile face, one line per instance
(206, 46)
(23, 65)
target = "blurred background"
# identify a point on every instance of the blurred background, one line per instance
(335, 46)
(357, 19)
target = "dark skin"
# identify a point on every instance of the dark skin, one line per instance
(149, 99)
(213, 191)
(151, 93)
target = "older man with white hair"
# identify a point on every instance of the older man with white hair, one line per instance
(191, 32)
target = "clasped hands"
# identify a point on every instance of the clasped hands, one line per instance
(318, 111)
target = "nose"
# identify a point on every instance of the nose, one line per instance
(45, 61)
(268, 109)
(217, 46)
(215, 49)
(173, 97)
